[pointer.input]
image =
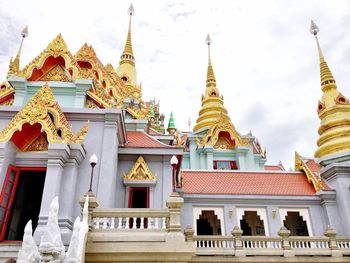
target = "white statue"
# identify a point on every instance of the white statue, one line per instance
(51, 246)
(72, 255)
(29, 252)
(84, 227)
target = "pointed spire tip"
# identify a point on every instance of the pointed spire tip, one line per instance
(24, 32)
(314, 28)
(208, 40)
(131, 10)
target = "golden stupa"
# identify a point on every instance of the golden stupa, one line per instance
(333, 111)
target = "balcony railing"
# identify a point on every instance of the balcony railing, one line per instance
(130, 219)
(282, 245)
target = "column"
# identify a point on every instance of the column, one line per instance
(7, 157)
(210, 157)
(58, 154)
(82, 85)
(107, 174)
(67, 193)
(19, 84)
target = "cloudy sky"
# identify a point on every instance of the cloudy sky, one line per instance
(264, 57)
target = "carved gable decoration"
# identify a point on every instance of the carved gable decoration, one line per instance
(57, 48)
(57, 73)
(215, 138)
(43, 109)
(314, 179)
(140, 171)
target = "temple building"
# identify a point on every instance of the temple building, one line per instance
(156, 193)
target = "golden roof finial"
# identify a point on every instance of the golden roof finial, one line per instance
(211, 81)
(327, 79)
(14, 64)
(128, 54)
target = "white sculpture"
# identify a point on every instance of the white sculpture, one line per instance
(72, 255)
(84, 228)
(51, 246)
(29, 252)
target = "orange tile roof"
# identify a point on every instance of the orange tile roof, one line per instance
(154, 132)
(143, 140)
(313, 166)
(246, 183)
(273, 168)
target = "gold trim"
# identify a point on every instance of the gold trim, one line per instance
(300, 165)
(140, 171)
(37, 111)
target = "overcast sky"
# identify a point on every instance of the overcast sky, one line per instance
(264, 58)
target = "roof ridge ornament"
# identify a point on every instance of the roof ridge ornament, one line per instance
(14, 64)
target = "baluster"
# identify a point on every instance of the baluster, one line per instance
(156, 226)
(120, 220)
(163, 223)
(97, 226)
(134, 223)
(142, 223)
(94, 222)
(150, 223)
(112, 223)
(127, 223)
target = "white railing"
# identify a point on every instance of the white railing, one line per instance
(130, 218)
(309, 242)
(274, 246)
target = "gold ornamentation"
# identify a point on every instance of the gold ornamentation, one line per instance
(222, 124)
(140, 171)
(43, 109)
(138, 113)
(5, 93)
(40, 144)
(56, 48)
(314, 179)
(223, 144)
(57, 73)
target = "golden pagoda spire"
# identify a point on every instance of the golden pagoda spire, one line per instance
(333, 111)
(126, 70)
(212, 102)
(14, 64)
(128, 54)
(327, 78)
(210, 73)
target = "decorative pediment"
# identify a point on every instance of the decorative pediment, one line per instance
(6, 93)
(57, 73)
(57, 48)
(43, 109)
(140, 171)
(314, 179)
(222, 135)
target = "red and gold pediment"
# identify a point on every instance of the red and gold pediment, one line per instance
(6, 93)
(41, 114)
(56, 53)
(222, 135)
(140, 171)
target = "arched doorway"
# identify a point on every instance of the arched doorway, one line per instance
(295, 223)
(251, 224)
(208, 223)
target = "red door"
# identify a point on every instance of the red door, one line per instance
(7, 196)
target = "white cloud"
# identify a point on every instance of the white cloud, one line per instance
(264, 58)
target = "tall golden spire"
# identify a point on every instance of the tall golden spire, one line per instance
(128, 54)
(333, 111)
(14, 64)
(210, 73)
(126, 70)
(212, 102)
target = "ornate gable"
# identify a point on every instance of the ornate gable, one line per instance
(314, 179)
(43, 109)
(57, 48)
(214, 137)
(140, 171)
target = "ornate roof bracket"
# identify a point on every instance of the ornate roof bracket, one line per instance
(312, 178)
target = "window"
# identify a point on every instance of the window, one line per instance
(225, 165)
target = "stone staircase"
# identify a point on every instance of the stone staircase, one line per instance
(9, 250)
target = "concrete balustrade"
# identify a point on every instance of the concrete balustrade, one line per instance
(282, 245)
(135, 219)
